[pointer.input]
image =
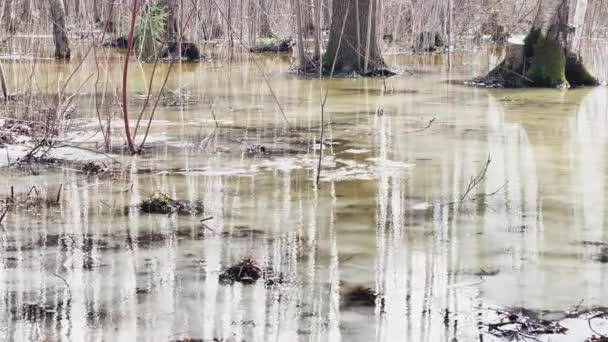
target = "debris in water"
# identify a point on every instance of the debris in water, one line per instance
(6, 138)
(163, 204)
(258, 149)
(247, 272)
(520, 323)
(275, 45)
(603, 256)
(93, 168)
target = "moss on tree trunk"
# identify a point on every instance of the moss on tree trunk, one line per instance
(551, 55)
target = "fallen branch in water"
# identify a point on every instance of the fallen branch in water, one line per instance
(6, 209)
(423, 129)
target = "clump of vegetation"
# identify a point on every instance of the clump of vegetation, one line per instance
(272, 44)
(93, 168)
(163, 204)
(247, 272)
(148, 32)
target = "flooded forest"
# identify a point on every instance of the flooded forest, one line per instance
(303, 170)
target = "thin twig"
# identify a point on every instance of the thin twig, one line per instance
(477, 179)
(67, 285)
(257, 65)
(425, 127)
(8, 207)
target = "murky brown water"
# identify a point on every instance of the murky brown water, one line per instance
(91, 270)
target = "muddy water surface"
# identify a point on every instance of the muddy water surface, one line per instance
(394, 211)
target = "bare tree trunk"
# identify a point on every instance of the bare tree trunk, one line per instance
(326, 14)
(62, 44)
(301, 53)
(343, 47)
(8, 17)
(77, 9)
(317, 23)
(170, 7)
(97, 11)
(108, 13)
(551, 52)
(265, 30)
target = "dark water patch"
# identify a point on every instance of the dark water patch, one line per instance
(243, 232)
(153, 239)
(361, 297)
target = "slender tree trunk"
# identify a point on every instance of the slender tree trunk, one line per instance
(550, 55)
(449, 33)
(326, 13)
(265, 30)
(301, 53)
(97, 11)
(343, 48)
(58, 16)
(170, 7)
(9, 20)
(317, 20)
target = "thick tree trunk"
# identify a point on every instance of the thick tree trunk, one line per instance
(62, 44)
(347, 29)
(551, 52)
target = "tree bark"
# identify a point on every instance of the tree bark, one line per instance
(551, 53)
(171, 29)
(8, 17)
(301, 52)
(97, 11)
(62, 43)
(346, 28)
(265, 30)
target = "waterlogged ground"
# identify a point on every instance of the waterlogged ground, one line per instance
(392, 212)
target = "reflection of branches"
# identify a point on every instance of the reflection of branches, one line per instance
(473, 183)
(600, 315)
(66, 284)
(8, 207)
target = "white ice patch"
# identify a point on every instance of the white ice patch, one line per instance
(356, 151)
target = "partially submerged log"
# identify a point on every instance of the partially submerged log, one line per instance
(273, 45)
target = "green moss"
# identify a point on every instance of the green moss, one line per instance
(327, 61)
(548, 65)
(149, 30)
